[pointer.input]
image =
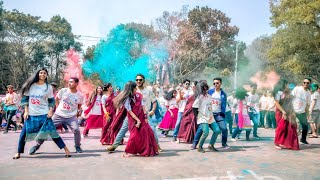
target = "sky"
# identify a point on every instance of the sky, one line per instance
(97, 17)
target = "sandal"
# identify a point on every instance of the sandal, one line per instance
(313, 136)
(278, 147)
(16, 157)
(125, 155)
(68, 156)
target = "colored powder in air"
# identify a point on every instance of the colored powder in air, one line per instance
(124, 54)
(74, 69)
(265, 80)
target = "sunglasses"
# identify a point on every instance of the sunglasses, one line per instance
(306, 82)
(139, 80)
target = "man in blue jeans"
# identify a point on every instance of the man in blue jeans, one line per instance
(219, 103)
(149, 100)
(253, 102)
(185, 93)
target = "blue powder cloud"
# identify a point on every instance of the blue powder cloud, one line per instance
(125, 53)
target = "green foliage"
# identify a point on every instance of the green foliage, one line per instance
(295, 45)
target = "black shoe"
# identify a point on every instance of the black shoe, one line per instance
(226, 147)
(193, 146)
(212, 148)
(15, 129)
(304, 142)
(78, 150)
(111, 148)
(34, 149)
(174, 139)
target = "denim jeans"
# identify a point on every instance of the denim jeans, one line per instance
(255, 120)
(304, 124)
(223, 128)
(229, 120)
(271, 119)
(176, 129)
(237, 130)
(72, 122)
(124, 129)
(262, 116)
(10, 115)
(205, 128)
(22, 141)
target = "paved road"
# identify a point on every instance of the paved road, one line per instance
(246, 160)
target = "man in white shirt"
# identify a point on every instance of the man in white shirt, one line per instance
(185, 93)
(11, 103)
(68, 101)
(301, 103)
(253, 101)
(263, 103)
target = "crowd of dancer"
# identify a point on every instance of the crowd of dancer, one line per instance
(190, 110)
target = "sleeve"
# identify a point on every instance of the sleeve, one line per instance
(166, 103)
(278, 96)
(127, 105)
(309, 98)
(60, 93)
(196, 103)
(315, 96)
(294, 91)
(152, 96)
(103, 100)
(50, 92)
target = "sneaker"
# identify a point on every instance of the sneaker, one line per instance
(111, 148)
(201, 150)
(238, 137)
(304, 142)
(225, 147)
(257, 137)
(174, 139)
(78, 150)
(193, 146)
(178, 141)
(233, 140)
(159, 148)
(34, 149)
(212, 148)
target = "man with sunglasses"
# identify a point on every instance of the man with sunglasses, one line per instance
(184, 94)
(301, 103)
(149, 100)
(219, 104)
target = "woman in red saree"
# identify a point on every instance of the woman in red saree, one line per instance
(141, 141)
(286, 132)
(109, 114)
(95, 112)
(188, 125)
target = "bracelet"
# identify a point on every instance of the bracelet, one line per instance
(145, 116)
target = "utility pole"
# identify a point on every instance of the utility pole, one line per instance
(236, 67)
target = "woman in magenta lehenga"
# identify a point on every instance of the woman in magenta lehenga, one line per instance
(169, 120)
(286, 132)
(95, 112)
(109, 114)
(141, 141)
(188, 125)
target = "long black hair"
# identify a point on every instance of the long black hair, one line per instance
(280, 86)
(169, 95)
(128, 92)
(201, 88)
(106, 86)
(34, 78)
(94, 94)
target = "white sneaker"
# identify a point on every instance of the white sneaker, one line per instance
(233, 140)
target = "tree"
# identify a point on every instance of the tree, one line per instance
(203, 41)
(296, 44)
(89, 54)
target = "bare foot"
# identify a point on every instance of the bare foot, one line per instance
(17, 156)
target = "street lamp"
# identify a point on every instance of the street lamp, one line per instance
(236, 67)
